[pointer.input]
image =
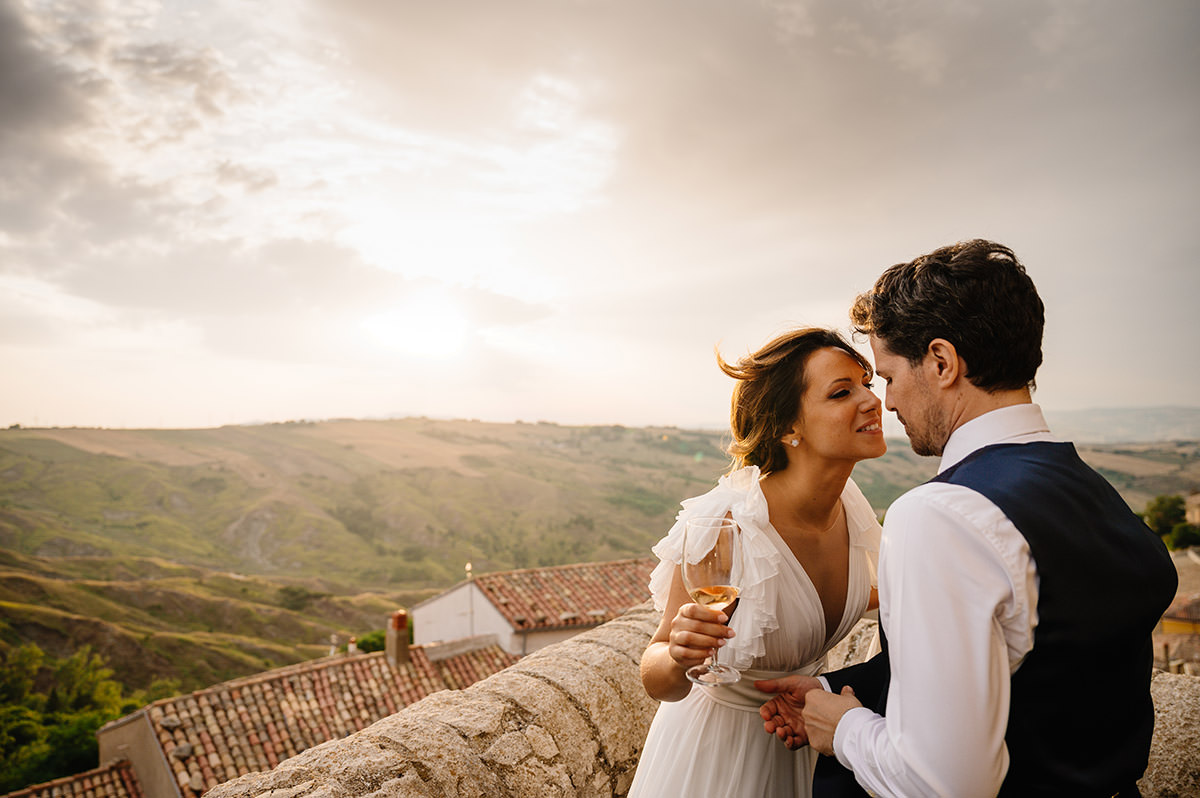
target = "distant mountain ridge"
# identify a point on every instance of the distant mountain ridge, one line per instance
(1099, 425)
(1126, 424)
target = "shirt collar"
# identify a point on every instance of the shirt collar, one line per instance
(1013, 424)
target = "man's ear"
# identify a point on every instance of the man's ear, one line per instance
(943, 363)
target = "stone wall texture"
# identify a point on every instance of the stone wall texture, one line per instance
(569, 720)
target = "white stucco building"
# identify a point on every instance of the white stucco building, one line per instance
(531, 608)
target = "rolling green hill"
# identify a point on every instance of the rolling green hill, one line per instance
(167, 549)
(151, 619)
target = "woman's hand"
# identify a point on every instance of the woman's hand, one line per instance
(782, 715)
(695, 632)
(685, 636)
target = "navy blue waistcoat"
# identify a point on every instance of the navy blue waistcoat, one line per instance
(1081, 716)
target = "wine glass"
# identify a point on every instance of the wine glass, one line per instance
(712, 560)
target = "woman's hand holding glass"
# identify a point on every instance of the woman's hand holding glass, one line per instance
(695, 631)
(711, 570)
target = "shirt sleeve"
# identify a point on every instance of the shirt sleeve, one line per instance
(944, 590)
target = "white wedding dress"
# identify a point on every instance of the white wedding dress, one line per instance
(712, 744)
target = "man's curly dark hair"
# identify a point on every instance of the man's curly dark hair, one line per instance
(974, 294)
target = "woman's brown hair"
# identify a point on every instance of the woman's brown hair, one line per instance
(766, 399)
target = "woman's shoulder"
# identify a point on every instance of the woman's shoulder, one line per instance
(860, 515)
(730, 487)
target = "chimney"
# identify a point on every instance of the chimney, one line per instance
(397, 639)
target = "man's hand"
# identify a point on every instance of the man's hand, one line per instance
(782, 714)
(821, 713)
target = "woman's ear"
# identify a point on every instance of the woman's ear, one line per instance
(792, 437)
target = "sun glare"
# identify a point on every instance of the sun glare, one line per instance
(428, 325)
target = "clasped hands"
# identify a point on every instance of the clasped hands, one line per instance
(803, 711)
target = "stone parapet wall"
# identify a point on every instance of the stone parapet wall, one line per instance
(1174, 769)
(570, 720)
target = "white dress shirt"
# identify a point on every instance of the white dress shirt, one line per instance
(958, 598)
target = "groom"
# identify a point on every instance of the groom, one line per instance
(1018, 592)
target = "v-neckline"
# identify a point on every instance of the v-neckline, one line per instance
(781, 544)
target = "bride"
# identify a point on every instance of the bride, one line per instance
(802, 415)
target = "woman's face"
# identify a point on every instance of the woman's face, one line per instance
(840, 418)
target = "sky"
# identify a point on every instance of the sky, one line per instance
(230, 212)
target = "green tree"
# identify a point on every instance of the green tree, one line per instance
(82, 683)
(73, 745)
(21, 665)
(1163, 513)
(373, 641)
(45, 735)
(1184, 535)
(22, 746)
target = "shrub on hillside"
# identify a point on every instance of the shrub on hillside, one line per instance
(296, 598)
(373, 641)
(1183, 536)
(1163, 513)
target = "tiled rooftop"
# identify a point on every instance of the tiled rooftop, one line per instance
(114, 780)
(584, 594)
(1184, 608)
(252, 724)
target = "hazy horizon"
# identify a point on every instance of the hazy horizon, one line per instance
(1096, 426)
(226, 212)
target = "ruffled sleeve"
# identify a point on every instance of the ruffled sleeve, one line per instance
(737, 494)
(864, 528)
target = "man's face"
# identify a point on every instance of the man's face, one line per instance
(910, 396)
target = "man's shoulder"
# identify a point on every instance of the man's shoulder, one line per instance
(930, 494)
(933, 506)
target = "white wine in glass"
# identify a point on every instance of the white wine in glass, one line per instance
(711, 567)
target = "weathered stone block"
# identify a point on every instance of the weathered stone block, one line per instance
(435, 750)
(610, 663)
(541, 742)
(1174, 769)
(535, 779)
(470, 713)
(507, 751)
(605, 712)
(557, 715)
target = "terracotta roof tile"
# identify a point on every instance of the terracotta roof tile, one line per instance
(1184, 608)
(584, 594)
(114, 780)
(254, 723)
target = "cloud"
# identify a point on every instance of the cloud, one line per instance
(44, 101)
(37, 91)
(247, 177)
(568, 190)
(196, 73)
